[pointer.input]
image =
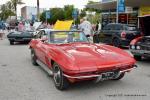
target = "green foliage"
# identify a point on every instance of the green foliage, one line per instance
(68, 9)
(59, 14)
(94, 18)
(5, 12)
(56, 14)
(92, 9)
(83, 13)
(9, 9)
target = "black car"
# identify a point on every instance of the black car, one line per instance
(20, 37)
(118, 34)
(140, 47)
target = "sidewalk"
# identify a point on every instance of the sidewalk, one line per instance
(4, 33)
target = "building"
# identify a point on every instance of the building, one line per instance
(133, 9)
(28, 12)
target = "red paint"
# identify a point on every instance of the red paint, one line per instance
(134, 41)
(77, 59)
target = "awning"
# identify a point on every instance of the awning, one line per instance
(113, 4)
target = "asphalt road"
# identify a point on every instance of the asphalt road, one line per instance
(20, 80)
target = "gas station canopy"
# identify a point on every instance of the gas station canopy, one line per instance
(113, 4)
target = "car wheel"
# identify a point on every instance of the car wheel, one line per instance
(33, 57)
(116, 42)
(60, 81)
(119, 77)
(11, 42)
(138, 58)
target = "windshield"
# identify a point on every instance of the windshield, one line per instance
(67, 37)
(129, 28)
(16, 32)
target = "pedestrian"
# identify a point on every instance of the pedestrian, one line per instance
(21, 26)
(86, 27)
(1, 34)
(96, 33)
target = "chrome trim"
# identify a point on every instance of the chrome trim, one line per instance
(81, 77)
(45, 68)
(134, 66)
(98, 75)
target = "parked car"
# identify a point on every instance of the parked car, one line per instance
(17, 36)
(140, 47)
(118, 34)
(69, 57)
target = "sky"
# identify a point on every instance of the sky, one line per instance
(52, 3)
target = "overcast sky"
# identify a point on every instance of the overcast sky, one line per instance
(52, 3)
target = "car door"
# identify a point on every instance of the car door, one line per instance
(106, 34)
(40, 47)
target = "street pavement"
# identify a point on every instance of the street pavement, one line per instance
(20, 80)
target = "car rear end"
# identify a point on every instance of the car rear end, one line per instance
(141, 48)
(20, 37)
(127, 35)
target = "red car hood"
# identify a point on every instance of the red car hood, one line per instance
(92, 56)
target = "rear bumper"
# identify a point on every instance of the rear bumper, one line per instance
(125, 42)
(140, 52)
(97, 75)
(20, 40)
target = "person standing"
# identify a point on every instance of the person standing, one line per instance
(86, 27)
(20, 26)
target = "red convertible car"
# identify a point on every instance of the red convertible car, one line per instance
(69, 57)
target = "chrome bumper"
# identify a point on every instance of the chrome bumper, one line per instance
(98, 76)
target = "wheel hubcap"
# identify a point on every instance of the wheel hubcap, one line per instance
(57, 75)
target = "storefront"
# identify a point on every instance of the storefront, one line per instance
(133, 9)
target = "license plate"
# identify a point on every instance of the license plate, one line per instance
(108, 75)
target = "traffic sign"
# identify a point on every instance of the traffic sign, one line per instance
(75, 14)
(48, 14)
(121, 5)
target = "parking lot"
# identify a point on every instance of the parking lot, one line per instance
(20, 80)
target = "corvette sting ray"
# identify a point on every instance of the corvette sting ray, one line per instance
(69, 57)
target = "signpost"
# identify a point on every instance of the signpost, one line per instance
(47, 15)
(75, 14)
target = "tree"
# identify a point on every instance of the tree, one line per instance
(94, 18)
(5, 12)
(92, 9)
(56, 14)
(68, 9)
(59, 14)
(13, 5)
(83, 13)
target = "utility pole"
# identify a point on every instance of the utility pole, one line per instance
(38, 9)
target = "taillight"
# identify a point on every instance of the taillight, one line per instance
(123, 34)
(142, 34)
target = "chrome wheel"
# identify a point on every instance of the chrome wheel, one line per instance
(57, 75)
(33, 57)
(60, 81)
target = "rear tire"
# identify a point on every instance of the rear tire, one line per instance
(116, 42)
(61, 82)
(33, 58)
(11, 42)
(138, 58)
(119, 77)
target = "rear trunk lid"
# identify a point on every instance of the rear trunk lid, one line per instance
(130, 35)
